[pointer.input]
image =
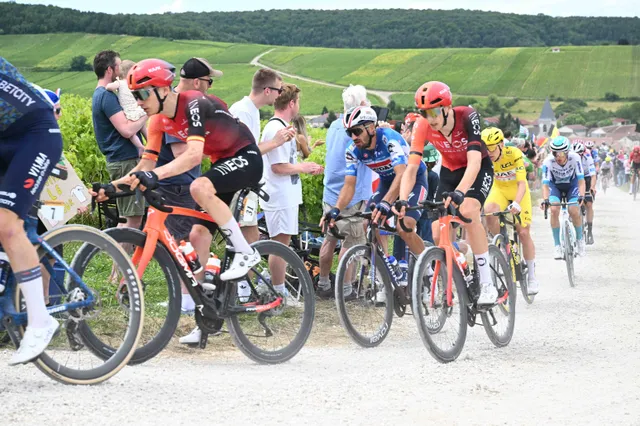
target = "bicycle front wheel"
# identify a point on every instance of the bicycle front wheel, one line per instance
(442, 326)
(163, 297)
(68, 359)
(499, 321)
(276, 335)
(569, 253)
(363, 296)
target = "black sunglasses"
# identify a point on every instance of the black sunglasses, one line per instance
(355, 131)
(141, 94)
(279, 90)
(58, 110)
(210, 80)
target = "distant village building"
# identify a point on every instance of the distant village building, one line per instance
(555, 50)
(573, 130)
(317, 121)
(547, 120)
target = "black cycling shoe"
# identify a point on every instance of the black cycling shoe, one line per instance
(329, 293)
(589, 238)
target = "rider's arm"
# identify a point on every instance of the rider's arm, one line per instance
(346, 193)
(418, 140)
(475, 146)
(392, 194)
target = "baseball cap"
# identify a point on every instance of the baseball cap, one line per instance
(197, 68)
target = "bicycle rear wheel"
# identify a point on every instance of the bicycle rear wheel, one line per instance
(499, 321)
(276, 335)
(443, 328)
(68, 359)
(569, 253)
(163, 296)
(366, 321)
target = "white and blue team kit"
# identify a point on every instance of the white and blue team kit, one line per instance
(563, 180)
(391, 150)
(589, 169)
(30, 140)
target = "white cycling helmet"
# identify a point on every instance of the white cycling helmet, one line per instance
(359, 115)
(518, 142)
(578, 148)
(560, 144)
(589, 144)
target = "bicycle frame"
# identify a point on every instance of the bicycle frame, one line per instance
(7, 307)
(445, 243)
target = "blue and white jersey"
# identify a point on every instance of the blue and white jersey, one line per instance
(391, 150)
(18, 98)
(595, 155)
(554, 173)
(588, 165)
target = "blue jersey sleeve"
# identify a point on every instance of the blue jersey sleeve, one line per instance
(546, 171)
(396, 147)
(351, 161)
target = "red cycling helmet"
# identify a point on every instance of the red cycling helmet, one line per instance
(151, 73)
(411, 117)
(433, 94)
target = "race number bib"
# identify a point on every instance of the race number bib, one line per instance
(249, 211)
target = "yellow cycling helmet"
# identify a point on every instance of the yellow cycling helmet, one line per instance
(492, 136)
(607, 159)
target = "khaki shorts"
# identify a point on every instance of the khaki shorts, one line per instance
(128, 206)
(353, 229)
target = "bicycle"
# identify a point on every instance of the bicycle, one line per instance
(634, 187)
(508, 241)
(434, 304)
(80, 299)
(606, 177)
(247, 320)
(568, 238)
(373, 273)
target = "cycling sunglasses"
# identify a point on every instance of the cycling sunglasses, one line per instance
(431, 112)
(355, 131)
(492, 148)
(141, 94)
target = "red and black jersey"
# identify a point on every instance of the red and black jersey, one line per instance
(205, 118)
(464, 137)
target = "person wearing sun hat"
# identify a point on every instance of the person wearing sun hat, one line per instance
(199, 69)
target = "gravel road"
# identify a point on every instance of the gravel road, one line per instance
(573, 360)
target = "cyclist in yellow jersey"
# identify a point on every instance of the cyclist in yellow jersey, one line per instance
(510, 191)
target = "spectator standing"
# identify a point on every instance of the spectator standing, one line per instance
(337, 143)
(282, 175)
(302, 138)
(131, 109)
(113, 132)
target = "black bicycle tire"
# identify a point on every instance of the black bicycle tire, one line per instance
(284, 354)
(385, 327)
(495, 339)
(123, 354)
(569, 254)
(172, 278)
(428, 256)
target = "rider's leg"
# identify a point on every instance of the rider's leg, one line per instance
(327, 250)
(574, 212)
(477, 237)
(555, 224)
(201, 238)
(415, 243)
(493, 223)
(528, 247)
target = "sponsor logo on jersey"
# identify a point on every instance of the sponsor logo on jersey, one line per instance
(194, 111)
(231, 164)
(19, 94)
(37, 170)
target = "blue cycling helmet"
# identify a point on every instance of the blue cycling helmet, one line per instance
(54, 97)
(560, 144)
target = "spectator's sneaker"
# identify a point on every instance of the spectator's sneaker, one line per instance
(581, 247)
(240, 266)
(34, 342)
(488, 294)
(349, 293)
(532, 287)
(381, 297)
(326, 293)
(557, 253)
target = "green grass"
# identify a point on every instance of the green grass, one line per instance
(576, 71)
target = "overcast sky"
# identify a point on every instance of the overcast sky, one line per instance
(548, 7)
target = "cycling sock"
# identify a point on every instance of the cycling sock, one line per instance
(279, 288)
(348, 289)
(188, 303)
(232, 230)
(556, 236)
(578, 232)
(589, 226)
(482, 260)
(531, 264)
(30, 282)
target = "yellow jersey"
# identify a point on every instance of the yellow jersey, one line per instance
(509, 169)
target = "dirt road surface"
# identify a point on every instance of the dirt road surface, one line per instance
(574, 359)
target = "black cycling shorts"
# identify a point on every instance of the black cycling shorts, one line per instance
(230, 175)
(26, 160)
(449, 181)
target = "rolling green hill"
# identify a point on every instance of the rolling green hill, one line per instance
(45, 58)
(586, 72)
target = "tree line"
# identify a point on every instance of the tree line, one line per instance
(393, 28)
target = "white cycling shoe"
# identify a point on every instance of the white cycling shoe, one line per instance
(581, 248)
(193, 338)
(241, 265)
(488, 294)
(34, 342)
(557, 253)
(533, 287)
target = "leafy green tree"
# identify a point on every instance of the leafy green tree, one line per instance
(330, 119)
(79, 63)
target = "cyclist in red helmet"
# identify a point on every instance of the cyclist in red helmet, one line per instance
(634, 159)
(205, 123)
(466, 173)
